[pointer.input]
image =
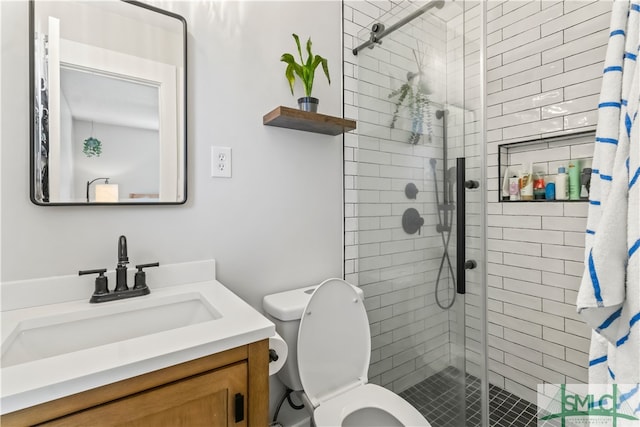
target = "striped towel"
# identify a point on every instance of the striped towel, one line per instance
(609, 295)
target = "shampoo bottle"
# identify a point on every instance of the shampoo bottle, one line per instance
(562, 184)
(526, 183)
(574, 181)
(514, 188)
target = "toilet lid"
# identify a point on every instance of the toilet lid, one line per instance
(334, 341)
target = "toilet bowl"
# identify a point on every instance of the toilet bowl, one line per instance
(327, 331)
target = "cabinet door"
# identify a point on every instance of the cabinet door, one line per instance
(208, 400)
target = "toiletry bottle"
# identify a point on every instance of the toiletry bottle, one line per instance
(574, 180)
(514, 188)
(585, 180)
(562, 184)
(538, 186)
(550, 191)
(526, 183)
(505, 184)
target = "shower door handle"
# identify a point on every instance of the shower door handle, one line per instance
(461, 255)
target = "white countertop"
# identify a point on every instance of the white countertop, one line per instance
(38, 381)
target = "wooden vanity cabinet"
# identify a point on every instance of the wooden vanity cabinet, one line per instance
(227, 389)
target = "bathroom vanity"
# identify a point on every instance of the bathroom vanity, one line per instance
(224, 389)
(190, 353)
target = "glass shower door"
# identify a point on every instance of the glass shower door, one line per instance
(419, 210)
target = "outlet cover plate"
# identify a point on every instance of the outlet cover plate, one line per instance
(221, 162)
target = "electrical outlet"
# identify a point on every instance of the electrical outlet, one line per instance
(221, 162)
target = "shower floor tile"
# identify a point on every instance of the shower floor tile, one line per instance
(438, 399)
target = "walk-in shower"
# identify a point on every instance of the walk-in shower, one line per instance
(420, 254)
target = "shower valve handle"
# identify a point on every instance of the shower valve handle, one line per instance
(412, 222)
(470, 264)
(471, 184)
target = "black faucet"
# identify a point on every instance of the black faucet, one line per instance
(121, 291)
(121, 268)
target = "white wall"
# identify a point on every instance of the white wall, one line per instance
(275, 225)
(94, 18)
(544, 67)
(130, 158)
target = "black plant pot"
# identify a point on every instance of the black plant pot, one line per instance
(308, 103)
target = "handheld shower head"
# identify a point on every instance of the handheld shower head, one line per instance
(451, 174)
(432, 162)
(451, 181)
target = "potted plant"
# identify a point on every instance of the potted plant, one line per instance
(305, 70)
(416, 94)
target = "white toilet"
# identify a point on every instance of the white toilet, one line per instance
(327, 331)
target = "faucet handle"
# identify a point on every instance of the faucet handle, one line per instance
(140, 280)
(99, 271)
(101, 285)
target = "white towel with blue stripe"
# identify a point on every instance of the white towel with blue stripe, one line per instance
(609, 295)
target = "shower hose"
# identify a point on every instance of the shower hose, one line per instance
(442, 229)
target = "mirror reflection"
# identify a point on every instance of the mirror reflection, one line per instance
(108, 104)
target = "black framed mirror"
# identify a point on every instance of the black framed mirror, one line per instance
(108, 104)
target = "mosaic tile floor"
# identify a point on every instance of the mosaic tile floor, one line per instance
(437, 398)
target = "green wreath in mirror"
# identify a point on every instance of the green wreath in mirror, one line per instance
(92, 147)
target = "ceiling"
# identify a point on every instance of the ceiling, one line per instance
(110, 99)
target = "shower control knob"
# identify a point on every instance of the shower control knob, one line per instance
(412, 221)
(470, 264)
(411, 191)
(471, 184)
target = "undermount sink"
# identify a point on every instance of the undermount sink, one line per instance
(96, 325)
(55, 343)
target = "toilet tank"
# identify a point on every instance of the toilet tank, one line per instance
(285, 310)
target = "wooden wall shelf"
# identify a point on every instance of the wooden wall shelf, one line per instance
(292, 118)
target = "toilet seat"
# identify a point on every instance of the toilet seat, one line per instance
(334, 341)
(369, 396)
(334, 346)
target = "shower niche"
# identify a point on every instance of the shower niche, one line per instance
(546, 156)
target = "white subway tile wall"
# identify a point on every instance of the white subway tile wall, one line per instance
(411, 337)
(543, 78)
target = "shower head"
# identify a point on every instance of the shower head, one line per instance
(432, 162)
(439, 4)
